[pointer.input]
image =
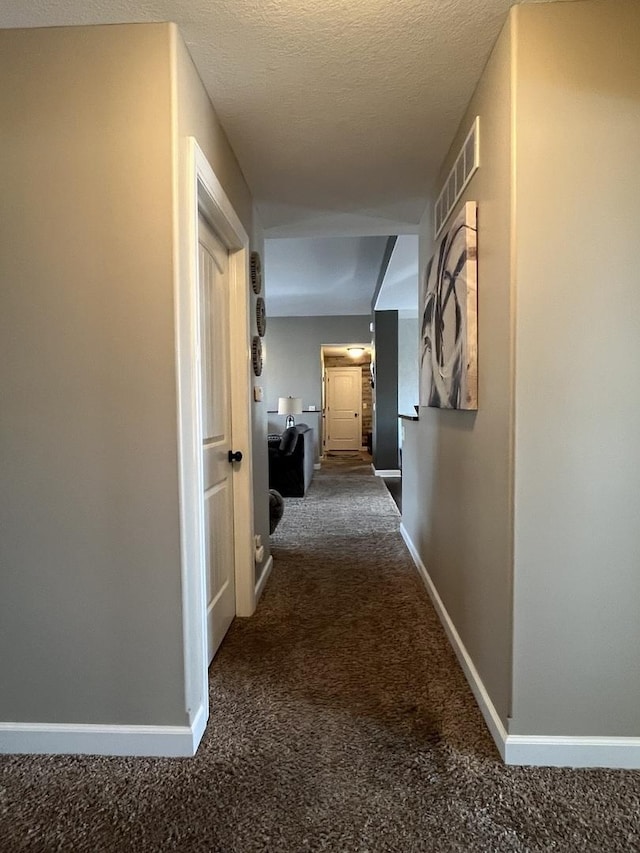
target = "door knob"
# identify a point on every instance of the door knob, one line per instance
(355, 415)
(235, 457)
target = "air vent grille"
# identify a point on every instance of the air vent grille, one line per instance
(467, 161)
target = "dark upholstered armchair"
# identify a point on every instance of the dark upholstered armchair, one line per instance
(291, 461)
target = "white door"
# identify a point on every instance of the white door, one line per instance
(343, 396)
(213, 282)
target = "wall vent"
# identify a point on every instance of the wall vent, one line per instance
(467, 161)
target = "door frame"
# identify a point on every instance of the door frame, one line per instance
(368, 348)
(325, 396)
(203, 195)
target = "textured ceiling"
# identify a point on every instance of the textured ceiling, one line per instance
(339, 111)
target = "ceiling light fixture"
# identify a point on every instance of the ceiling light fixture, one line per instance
(355, 352)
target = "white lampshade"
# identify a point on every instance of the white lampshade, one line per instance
(289, 405)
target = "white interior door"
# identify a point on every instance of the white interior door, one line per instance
(343, 396)
(213, 282)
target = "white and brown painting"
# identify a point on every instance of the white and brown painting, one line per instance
(449, 338)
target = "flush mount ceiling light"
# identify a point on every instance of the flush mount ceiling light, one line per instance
(355, 352)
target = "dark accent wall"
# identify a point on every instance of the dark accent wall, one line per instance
(385, 417)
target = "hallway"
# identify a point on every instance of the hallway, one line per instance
(340, 721)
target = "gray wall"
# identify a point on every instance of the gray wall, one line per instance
(385, 393)
(197, 118)
(259, 431)
(407, 365)
(458, 508)
(577, 448)
(292, 363)
(535, 497)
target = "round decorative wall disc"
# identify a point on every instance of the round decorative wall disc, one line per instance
(256, 272)
(261, 316)
(256, 355)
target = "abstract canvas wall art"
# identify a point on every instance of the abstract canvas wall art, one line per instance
(449, 335)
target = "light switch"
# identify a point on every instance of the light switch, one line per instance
(257, 393)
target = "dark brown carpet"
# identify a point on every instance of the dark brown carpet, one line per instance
(340, 722)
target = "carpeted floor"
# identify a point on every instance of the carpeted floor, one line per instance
(340, 722)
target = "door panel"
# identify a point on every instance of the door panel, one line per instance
(344, 404)
(213, 279)
(220, 584)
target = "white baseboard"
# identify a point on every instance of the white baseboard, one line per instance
(573, 751)
(264, 577)
(387, 472)
(79, 739)
(199, 724)
(533, 750)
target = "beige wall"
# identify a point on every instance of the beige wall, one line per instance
(90, 621)
(577, 631)
(90, 588)
(457, 503)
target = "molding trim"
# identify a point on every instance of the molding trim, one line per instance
(387, 472)
(197, 191)
(80, 739)
(209, 199)
(533, 750)
(264, 577)
(573, 751)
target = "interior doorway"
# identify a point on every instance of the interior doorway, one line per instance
(346, 397)
(343, 408)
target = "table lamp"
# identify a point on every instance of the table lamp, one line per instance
(289, 406)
